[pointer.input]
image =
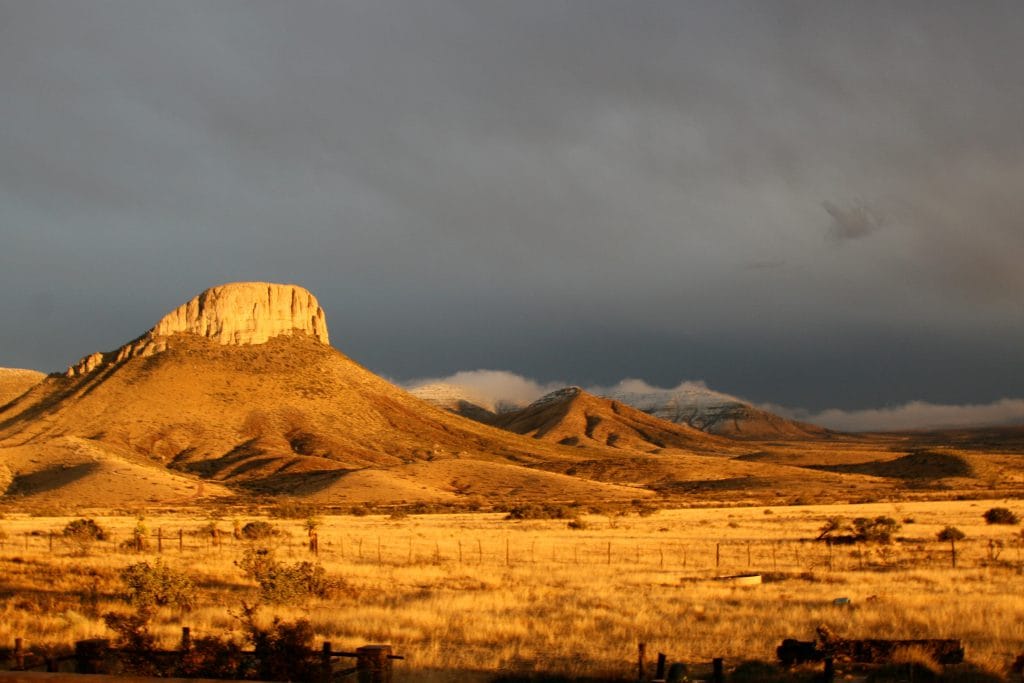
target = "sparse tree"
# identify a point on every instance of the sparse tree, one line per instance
(952, 534)
(832, 525)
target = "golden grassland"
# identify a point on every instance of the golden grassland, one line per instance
(464, 593)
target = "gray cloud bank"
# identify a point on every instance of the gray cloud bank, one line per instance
(496, 387)
(589, 189)
(913, 415)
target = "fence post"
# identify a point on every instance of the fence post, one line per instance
(181, 540)
(718, 555)
(325, 662)
(374, 663)
(186, 639)
(718, 670)
(830, 670)
(160, 539)
(659, 672)
(89, 655)
(19, 654)
(640, 662)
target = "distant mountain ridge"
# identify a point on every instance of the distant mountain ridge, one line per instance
(571, 416)
(691, 403)
(714, 412)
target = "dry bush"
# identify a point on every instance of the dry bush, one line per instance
(1000, 516)
(157, 585)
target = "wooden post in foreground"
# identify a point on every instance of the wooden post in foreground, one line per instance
(659, 671)
(325, 662)
(19, 654)
(374, 663)
(830, 670)
(186, 639)
(718, 670)
(641, 664)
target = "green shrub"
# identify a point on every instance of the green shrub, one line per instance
(81, 534)
(258, 531)
(157, 585)
(877, 530)
(1000, 516)
(281, 583)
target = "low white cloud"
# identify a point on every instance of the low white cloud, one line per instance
(913, 415)
(492, 387)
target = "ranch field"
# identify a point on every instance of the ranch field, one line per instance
(474, 595)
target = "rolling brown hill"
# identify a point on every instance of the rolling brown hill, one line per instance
(239, 387)
(574, 417)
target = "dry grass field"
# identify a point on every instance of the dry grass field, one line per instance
(464, 595)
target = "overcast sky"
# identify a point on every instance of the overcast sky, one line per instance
(818, 205)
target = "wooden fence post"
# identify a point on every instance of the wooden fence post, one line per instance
(718, 670)
(374, 663)
(659, 671)
(640, 662)
(186, 639)
(325, 662)
(181, 540)
(718, 555)
(19, 654)
(160, 539)
(830, 670)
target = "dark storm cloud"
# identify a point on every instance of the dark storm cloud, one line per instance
(579, 190)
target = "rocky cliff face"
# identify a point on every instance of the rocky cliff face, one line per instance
(238, 313)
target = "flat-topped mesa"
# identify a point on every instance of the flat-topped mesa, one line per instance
(239, 313)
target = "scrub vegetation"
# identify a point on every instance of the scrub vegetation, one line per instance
(485, 594)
